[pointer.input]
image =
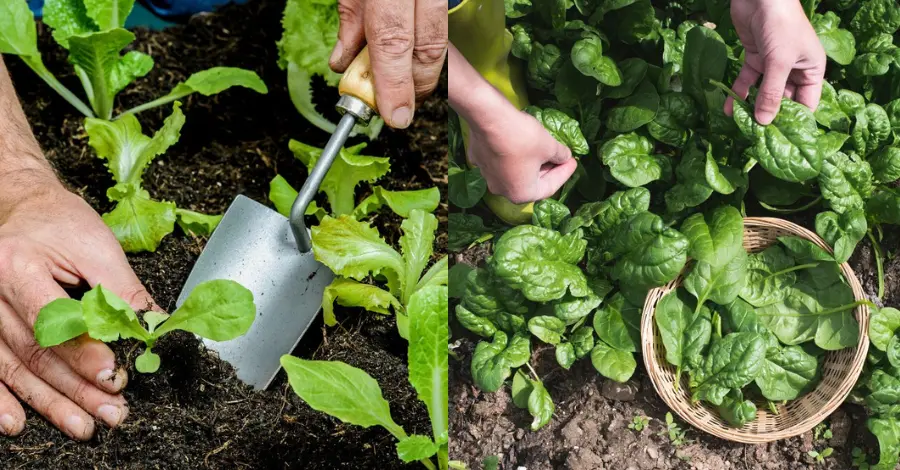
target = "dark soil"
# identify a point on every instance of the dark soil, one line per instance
(194, 413)
(589, 429)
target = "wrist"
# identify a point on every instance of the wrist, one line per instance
(24, 184)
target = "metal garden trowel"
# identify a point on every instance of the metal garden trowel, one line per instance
(272, 256)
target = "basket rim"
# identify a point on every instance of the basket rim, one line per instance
(649, 346)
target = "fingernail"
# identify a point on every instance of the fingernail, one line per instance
(76, 427)
(401, 117)
(113, 380)
(337, 53)
(8, 424)
(112, 415)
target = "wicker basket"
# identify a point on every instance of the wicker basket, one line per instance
(840, 372)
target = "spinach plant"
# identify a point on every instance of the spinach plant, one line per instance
(219, 310)
(353, 396)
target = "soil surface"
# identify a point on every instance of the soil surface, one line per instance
(589, 429)
(194, 413)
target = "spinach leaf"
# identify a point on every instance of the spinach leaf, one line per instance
(692, 188)
(630, 161)
(716, 238)
(587, 56)
(839, 44)
(829, 113)
(871, 130)
(883, 324)
(549, 214)
(540, 405)
(876, 16)
(705, 59)
(465, 186)
(633, 72)
(562, 127)
(842, 231)
(676, 116)
(488, 297)
(544, 64)
(522, 40)
(613, 363)
(649, 253)
(846, 182)
(788, 372)
(481, 326)
(735, 410)
(721, 284)
(768, 277)
(565, 355)
(492, 363)
(733, 362)
(541, 262)
(685, 329)
(884, 206)
(636, 110)
(582, 340)
(887, 430)
(886, 165)
(617, 323)
(465, 230)
(548, 329)
(600, 217)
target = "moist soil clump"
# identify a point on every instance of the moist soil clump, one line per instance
(589, 429)
(194, 413)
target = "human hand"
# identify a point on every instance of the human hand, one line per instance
(51, 238)
(407, 42)
(781, 45)
(518, 158)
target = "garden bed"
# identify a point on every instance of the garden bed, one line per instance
(194, 413)
(589, 429)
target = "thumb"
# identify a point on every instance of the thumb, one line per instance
(559, 154)
(351, 35)
(555, 178)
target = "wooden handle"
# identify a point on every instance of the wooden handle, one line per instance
(358, 81)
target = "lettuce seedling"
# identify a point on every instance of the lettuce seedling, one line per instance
(93, 33)
(310, 33)
(353, 396)
(219, 310)
(346, 173)
(354, 251)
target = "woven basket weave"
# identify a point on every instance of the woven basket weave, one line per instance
(839, 372)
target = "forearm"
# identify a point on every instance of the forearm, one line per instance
(19, 151)
(470, 95)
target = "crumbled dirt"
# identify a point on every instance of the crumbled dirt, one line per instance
(194, 413)
(589, 430)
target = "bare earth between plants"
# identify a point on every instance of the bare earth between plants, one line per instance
(194, 413)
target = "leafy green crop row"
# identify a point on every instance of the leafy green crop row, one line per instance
(94, 35)
(635, 89)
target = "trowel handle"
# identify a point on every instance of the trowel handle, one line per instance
(357, 104)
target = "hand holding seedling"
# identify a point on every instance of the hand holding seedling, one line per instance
(50, 238)
(518, 157)
(782, 47)
(407, 42)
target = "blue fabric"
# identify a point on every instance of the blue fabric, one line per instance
(164, 8)
(451, 4)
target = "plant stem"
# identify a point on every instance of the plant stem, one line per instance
(749, 165)
(36, 64)
(428, 464)
(536, 377)
(790, 270)
(781, 210)
(822, 313)
(728, 91)
(155, 103)
(879, 263)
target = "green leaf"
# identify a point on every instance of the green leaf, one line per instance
(692, 188)
(138, 222)
(565, 355)
(829, 113)
(875, 16)
(601, 217)
(548, 329)
(716, 238)
(147, 363)
(67, 18)
(415, 448)
(58, 322)
(337, 389)
(521, 389)
(465, 230)
(617, 323)
(839, 44)
(522, 37)
(883, 324)
(846, 182)
(108, 317)
(354, 249)
(490, 297)
(541, 263)
(886, 165)
(481, 326)
(347, 172)
(350, 293)
(549, 214)
(613, 363)
(540, 405)
(544, 65)
(109, 14)
(216, 80)
(429, 335)
(649, 253)
(459, 274)
(842, 231)
(416, 244)
(635, 111)
(105, 72)
(195, 223)
(705, 59)
(766, 283)
(126, 149)
(732, 362)
(677, 115)
(466, 187)
(735, 410)
(492, 363)
(582, 340)
(685, 330)
(18, 35)
(789, 148)
(562, 127)
(788, 372)
(219, 310)
(633, 72)
(871, 130)
(888, 433)
(884, 206)
(721, 284)
(587, 56)
(630, 161)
